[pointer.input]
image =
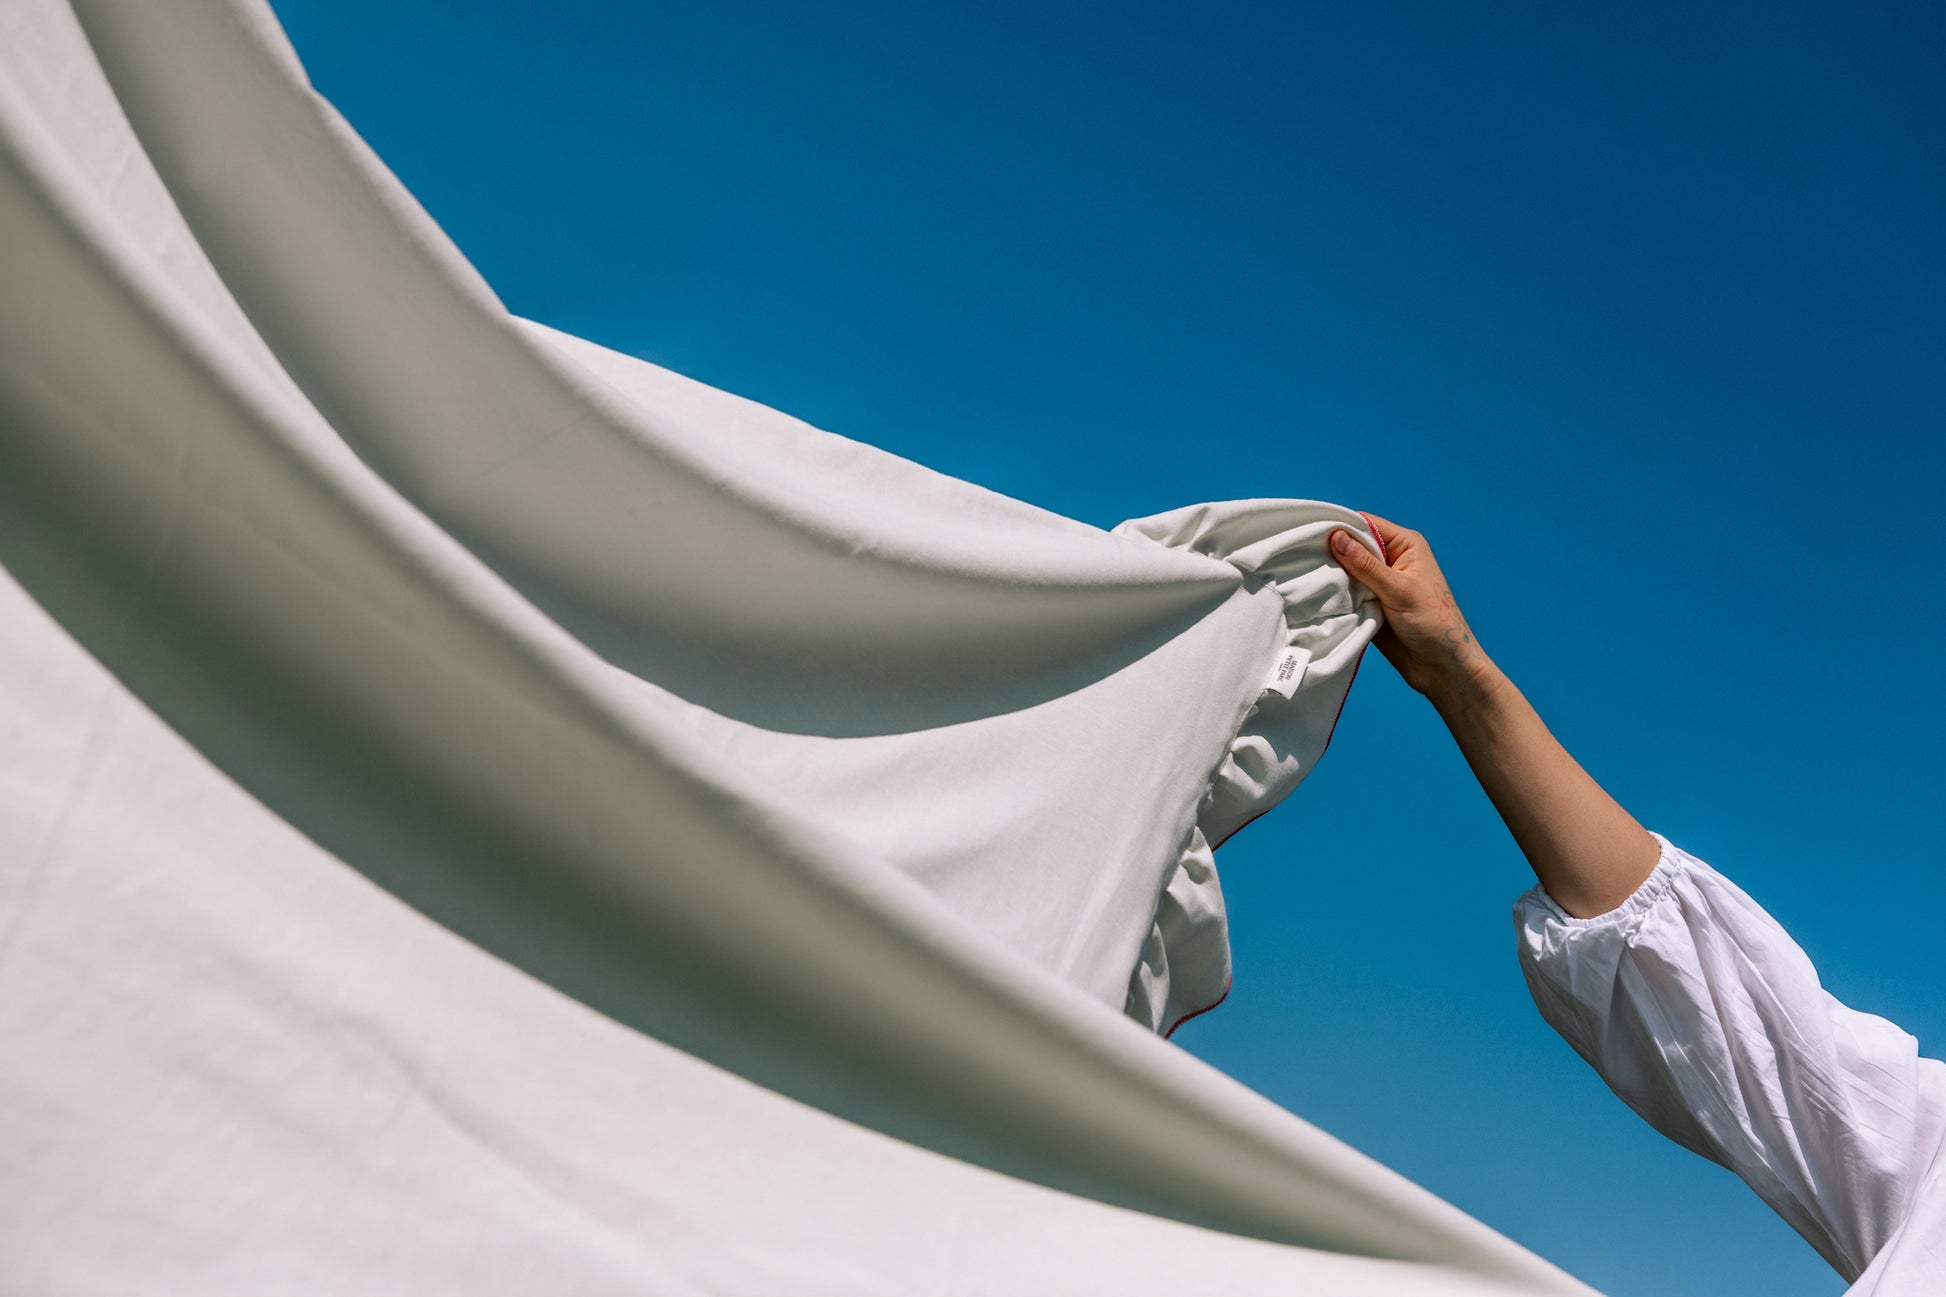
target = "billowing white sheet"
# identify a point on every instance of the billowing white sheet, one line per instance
(481, 813)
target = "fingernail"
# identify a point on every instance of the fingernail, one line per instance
(1341, 541)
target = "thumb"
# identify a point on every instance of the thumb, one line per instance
(1361, 562)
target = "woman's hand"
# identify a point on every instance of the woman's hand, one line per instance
(1587, 851)
(1425, 635)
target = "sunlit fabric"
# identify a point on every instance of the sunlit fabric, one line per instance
(481, 813)
(1708, 1020)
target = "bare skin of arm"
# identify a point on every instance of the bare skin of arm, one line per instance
(1587, 851)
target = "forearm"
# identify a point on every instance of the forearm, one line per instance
(1587, 851)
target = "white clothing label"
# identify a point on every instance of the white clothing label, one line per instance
(1287, 672)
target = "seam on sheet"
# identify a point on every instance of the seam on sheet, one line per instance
(1335, 717)
(1228, 982)
(1254, 582)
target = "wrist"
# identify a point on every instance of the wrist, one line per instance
(1466, 687)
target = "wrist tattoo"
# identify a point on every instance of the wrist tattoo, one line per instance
(1458, 636)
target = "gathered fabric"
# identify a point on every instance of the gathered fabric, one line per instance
(480, 812)
(1708, 1020)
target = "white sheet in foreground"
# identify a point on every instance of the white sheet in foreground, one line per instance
(814, 808)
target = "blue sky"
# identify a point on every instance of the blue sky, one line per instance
(1639, 312)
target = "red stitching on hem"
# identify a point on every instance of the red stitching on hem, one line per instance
(1227, 983)
(1382, 553)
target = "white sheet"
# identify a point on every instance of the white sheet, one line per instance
(481, 813)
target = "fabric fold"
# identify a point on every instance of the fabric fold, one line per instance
(1281, 549)
(1705, 1017)
(536, 804)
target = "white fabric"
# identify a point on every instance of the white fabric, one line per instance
(1708, 1020)
(480, 813)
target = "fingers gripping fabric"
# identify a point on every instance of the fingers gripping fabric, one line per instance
(482, 813)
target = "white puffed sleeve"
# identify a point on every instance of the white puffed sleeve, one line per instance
(1708, 1020)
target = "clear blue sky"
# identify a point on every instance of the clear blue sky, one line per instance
(1639, 311)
